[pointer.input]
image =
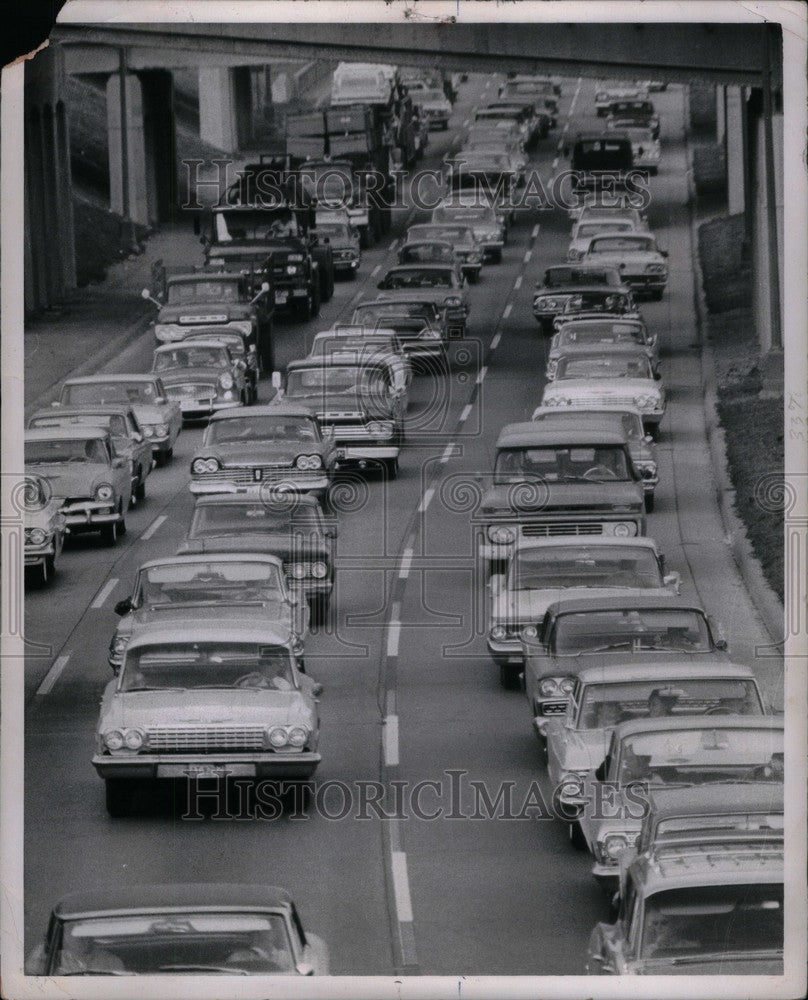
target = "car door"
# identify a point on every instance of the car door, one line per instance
(142, 450)
(173, 413)
(120, 471)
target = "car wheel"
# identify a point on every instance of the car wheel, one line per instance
(161, 458)
(118, 797)
(496, 256)
(140, 489)
(649, 503)
(364, 237)
(391, 467)
(509, 676)
(576, 835)
(109, 533)
(656, 295)
(318, 609)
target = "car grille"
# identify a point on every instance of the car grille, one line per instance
(548, 530)
(593, 400)
(205, 738)
(554, 708)
(243, 476)
(191, 390)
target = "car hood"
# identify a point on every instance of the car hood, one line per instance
(68, 482)
(530, 605)
(146, 413)
(230, 310)
(746, 964)
(256, 706)
(179, 376)
(558, 497)
(280, 545)
(262, 453)
(602, 386)
(581, 751)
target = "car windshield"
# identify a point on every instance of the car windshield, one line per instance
(174, 941)
(209, 582)
(192, 356)
(222, 519)
(445, 233)
(339, 380)
(333, 230)
(605, 366)
(235, 430)
(632, 422)
(601, 333)
(694, 756)
(585, 566)
(622, 244)
(380, 311)
(187, 293)
(632, 630)
(713, 920)
(61, 451)
(113, 422)
(598, 301)
(556, 277)
(465, 213)
(558, 463)
(82, 393)
(428, 95)
(257, 225)
(606, 705)
(422, 253)
(417, 277)
(195, 665)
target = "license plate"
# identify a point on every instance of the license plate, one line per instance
(258, 475)
(190, 404)
(205, 770)
(340, 453)
(281, 298)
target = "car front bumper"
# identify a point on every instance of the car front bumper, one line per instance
(199, 487)
(607, 877)
(505, 651)
(90, 515)
(167, 766)
(198, 409)
(358, 452)
(36, 555)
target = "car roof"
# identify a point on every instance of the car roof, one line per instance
(199, 895)
(532, 432)
(422, 267)
(630, 602)
(208, 342)
(103, 409)
(626, 672)
(267, 410)
(712, 799)
(583, 411)
(66, 433)
(217, 627)
(667, 723)
(582, 420)
(594, 542)
(577, 322)
(214, 275)
(234, 557)
(256, 496)
(90, 379)
(597, 350)
(682, 866)
(348, 330)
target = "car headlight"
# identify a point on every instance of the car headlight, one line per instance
(646, 469)
(36, 536)
(614, 844)
(113, 739)
(133, 739)
(148, 430)
(501, 535)
(567, 684)
(498, 632)
(574, 254)
(212, 465)
(570, 785)
(278, 737)
(548, 686)
(549, 303)
(654, 268)
(119, 643)
(302, 463)
(623, 529)
(453, 300)
(298, 570)
(380, 428)
(529, 632)
(226, 381)
(298, 736)
(319, 570)
(291, 269)
(161, 430)
(645, 402)
(104, 492)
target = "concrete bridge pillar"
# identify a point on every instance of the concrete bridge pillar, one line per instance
(50, 260)
(225, 106)
(735, 145)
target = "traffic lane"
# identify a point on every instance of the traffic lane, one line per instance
(80, 688)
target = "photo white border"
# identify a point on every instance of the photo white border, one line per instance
(793, 19)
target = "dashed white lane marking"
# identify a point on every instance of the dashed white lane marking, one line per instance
(528, 255)
(391, 741)
(401, 887)
(466, 123)
(465, 413)
(104, 593)
(495, 341)
(534, 231)
(507, 311)
(393, 635)
(52, 676)
(375, 270)
(448, 451)
(574, 100)
(153, 527)
(406, 562)
(426, 500)
(393, 245)
(481, 374)
(518, 283)
(555, 163)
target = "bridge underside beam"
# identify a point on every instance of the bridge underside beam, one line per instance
(719, 53)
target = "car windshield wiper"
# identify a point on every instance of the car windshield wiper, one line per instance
(96, 972)
(146, 687)
(203, 968)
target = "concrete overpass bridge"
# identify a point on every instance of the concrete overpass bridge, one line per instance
(138, 63)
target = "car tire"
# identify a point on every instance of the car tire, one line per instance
(160, 459)
(656, 295)
(649, 503)
(169, 454)
(576, 835)
(109, 533)
(509, 676)
(496, 256)
(391, 467)
(118, 797)
(140, 490)
(319, 607)
(365, 237)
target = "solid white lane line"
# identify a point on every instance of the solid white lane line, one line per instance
(104, 593)
(393, 635)
(506, 313)
(375, 270)
(495, 340)
(534, 231)
(406, 562)
(52, 676)
(391, 741)
(426, 500)
(528, 255)
(401, 887)
(518, 283)
(153, 527)
(465, 412)
(481, 374)
(448, 452)
(574, 100)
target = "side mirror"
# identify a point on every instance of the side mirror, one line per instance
(147, 295)
(304, 969)
(123, 607)
(657, 377)
(317, 690)
(672, 581)
(721, 644)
